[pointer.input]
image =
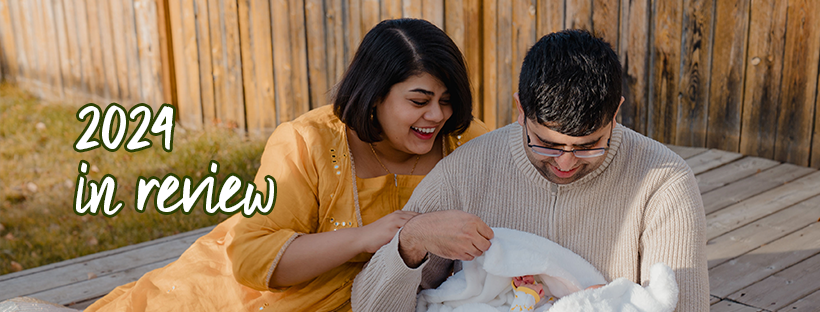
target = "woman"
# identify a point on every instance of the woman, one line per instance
(343, 173)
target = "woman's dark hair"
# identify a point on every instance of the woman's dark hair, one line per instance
(570, 82)
(390, 53)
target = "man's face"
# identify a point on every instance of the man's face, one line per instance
(566, 168)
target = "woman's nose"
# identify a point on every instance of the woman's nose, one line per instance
(434, 113)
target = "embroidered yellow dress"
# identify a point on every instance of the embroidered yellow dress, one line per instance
(229, 268)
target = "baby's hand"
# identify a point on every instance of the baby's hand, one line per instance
(528, 281)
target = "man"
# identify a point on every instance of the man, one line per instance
(566, 171)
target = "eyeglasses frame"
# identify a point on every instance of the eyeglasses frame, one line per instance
(562, 151)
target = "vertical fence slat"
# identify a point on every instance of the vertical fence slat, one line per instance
(203, 46)
(289, 65)
(354, 30)
(7, 44)
(633, 52)
(489, 81)
(19, 42)
(72, 77)
(411, 8)
(764, 70)
(98, 84)
(390, 9)
(504, 31)
(37, 46)
(794, 125)
(87, 83)
(814, 162)
(605, 15)
(523, 37)
(232, 110)
(186, 63)
(693, 106)
(216, 45)
(132, 53)
(454, 23)
(166, 54)
(728, 71)
(257, 66)
(57, 26)
(579, 14)
(472, 50)
(550, 17)
(146, 14)
(338, 56)
(433, 11)
(108, 52)
(318, 53)
(665, 73)
(370, 12)
(119, 48)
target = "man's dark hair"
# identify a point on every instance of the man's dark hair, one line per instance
(570, 82)
(390, 53)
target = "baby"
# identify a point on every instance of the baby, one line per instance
(528, 293)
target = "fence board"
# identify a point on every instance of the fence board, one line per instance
(370, 15)
(53, 70)
(149, 52)
(8, 49)
(72, 75)
(633, 50)
(64, 58)
(17, 42)
(549, 17)
(454, 25)
(524, 28)
(728, 71)
(473, 50)
(206, 72)
(257, 66)
(489, 82)
(433, 11)
(605, 14)
(166, 52)
(40, 74)
(411, 8)
(390, 9)
(108, 52)
(186, 63)
(353, 28)
(695, 62)
(764, 70)
(665, 70)
(504, 32)
(231, 113)
(578, 14)
(319, 54)
(120, 49)
(132, 56)
(794, 124)
(289, 60)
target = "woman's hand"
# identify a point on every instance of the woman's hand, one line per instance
(377, 234)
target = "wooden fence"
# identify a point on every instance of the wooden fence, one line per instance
(735, 75)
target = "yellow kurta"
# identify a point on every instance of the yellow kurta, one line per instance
(229, 268)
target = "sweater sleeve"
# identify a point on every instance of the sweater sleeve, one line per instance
(675, 234)
(260, 241)
(386, 283)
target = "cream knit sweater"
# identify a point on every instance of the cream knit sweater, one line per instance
(640, 207)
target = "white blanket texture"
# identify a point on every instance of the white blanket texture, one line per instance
(483, 284)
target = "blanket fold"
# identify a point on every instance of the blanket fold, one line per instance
(483, 284)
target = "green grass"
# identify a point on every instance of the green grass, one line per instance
(38, 226)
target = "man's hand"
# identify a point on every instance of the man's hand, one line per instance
(450, 234)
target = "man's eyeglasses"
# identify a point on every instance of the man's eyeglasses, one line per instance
(556, 152)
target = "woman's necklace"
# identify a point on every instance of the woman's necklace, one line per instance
(395, 178)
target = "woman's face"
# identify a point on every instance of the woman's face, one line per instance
(413, 114)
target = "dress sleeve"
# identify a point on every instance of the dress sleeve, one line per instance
(386, 283)
(260, 241)
(675, 234)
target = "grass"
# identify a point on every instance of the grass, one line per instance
(38, 170)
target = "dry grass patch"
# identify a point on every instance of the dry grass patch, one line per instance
(38, 169)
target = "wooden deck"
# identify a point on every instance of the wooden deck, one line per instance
(763, 231)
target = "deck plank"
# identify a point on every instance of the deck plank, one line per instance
(97, 287)
(101, 264)
(751, 186)
(730, 306)
(732, 172)
(760, 263)
(808, 303)
(762, 205)
(711, 159)
(781, 289)
(685, 151)
(763, 231)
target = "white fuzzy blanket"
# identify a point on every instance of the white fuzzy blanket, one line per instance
(484, 283)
